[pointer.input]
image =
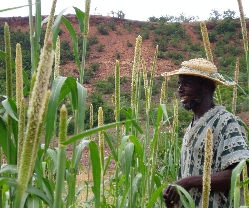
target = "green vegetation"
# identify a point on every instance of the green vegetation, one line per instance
(103, 29)
(128, 26)
(129, 44)
(112, 25)
(141, 135)
(100, 47)
(117, 55)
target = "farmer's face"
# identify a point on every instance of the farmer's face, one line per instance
(190, 91)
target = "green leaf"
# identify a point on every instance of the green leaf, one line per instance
(47, 189)
(10, 108)
(80, 15)
(128, 116)
(154, 197)
(3, 141)
(37, 33)
(32, 190)
(91, 131)
(32, 202)
(73, 34)
(236, 171)
(53, 155)
(2, 55)
(3, 180)
(157, 126)
(135, 186)
(82, 93)
(129, 149)
(10, 169)
(139, 151)
(3, 135)
(56, 26)
(107, 138)
(52, 108)
(107, 163)
(12, 8)
(96, 170)
(40, 194)
(72, 85)
(25, 79)
(79, 149)
(163, 106)
(242, 183)
(181, 190)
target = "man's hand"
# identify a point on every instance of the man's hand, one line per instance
(220, 181)
(171, 197)
(170, 194)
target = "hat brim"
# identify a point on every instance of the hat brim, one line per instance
(218, 78)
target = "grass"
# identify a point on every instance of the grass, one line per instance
(143, 142)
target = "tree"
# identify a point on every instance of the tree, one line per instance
(120, 14)
(229, 14)
(112, 13)
(214, 15)
(182, 18)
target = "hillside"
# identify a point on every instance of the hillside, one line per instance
(115, 40)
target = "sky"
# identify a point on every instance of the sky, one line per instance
(139, 10)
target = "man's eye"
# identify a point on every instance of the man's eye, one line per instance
(183, 85)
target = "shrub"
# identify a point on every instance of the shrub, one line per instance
(70, 128)
(175, 42)
(145, 30)
(94, 66)
(145, 34)
(100, 47)
(212, 37)
(102, 29)
(105, 87)
(120, 14)
(117, 55)
(162, 44)
(128, 26)
(196, 46)
(88, 74)
(66, 53)
(160, 54)
(123, 80)
(111, 79)
(125, 100)
(226, 26)
(129, 44)
(171, 30)
(92, 39)
(175, 55)
(111, 25)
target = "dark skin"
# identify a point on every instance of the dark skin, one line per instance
(197, 95)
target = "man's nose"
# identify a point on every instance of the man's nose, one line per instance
(180, 88)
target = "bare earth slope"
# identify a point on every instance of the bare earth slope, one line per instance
(115, 41)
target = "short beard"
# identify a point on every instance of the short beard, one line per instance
(192, 104)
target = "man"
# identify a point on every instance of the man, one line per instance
(197, 81)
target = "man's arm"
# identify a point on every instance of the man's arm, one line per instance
(220, 181)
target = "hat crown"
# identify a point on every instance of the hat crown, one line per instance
(203, 68)
(201, 64)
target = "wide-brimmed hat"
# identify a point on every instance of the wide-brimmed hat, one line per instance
(202, 68)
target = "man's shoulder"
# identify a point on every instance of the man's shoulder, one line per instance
(226, 114)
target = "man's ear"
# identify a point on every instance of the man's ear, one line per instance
(206, 87)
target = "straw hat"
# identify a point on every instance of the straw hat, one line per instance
(203, 68)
